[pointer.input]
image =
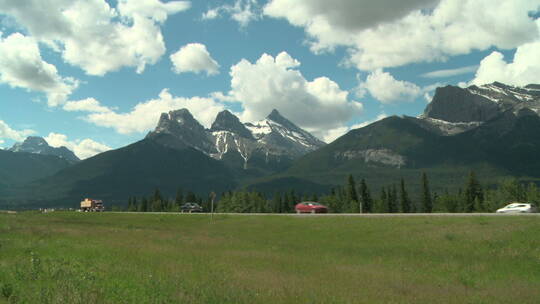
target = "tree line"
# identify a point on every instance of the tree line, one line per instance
(158, 203)
(355, 197)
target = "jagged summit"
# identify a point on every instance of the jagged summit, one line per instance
(275, 116)
(226, 121)
(454, 110)
(273, 140)
(184, 130)
(181, 117)
(38, 145)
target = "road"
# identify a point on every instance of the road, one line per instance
(344, 214)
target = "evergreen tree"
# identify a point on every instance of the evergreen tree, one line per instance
(171, 206)
(474, 195)
(365, 197)
(157, 206)
(132, 204)
(383, 202)
(144, 205)
(292, 201)
(277, 203)
(427, 202)
(157, 195)
(351, 195)
(224, 202)
(405, 201)
(392, 199)
(179, 199)
(129, 204)
(191, 197)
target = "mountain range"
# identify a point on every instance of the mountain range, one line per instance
(38, 145)
(179, 153)
(492, 129)
(263, 147)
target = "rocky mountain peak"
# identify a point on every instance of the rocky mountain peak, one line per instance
(35, 141)
(454, 110)
(176, 118)
(455, 104)
(532, 86)
(269, 143)
(38, 145)
(182, 130)
(277, 117)
(226, 121)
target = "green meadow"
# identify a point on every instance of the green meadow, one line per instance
(68, 257)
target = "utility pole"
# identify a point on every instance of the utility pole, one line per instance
(212, 197)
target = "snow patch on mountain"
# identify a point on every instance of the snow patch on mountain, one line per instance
(271, 138)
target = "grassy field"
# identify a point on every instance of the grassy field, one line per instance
(147, 258)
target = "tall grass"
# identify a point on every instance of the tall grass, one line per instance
(149, 258)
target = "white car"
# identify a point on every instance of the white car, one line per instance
(518, 208)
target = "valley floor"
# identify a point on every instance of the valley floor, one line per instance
(69, 257)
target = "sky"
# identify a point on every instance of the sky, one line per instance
(94, 75)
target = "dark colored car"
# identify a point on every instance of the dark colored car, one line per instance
(191, 207)
(310, 207)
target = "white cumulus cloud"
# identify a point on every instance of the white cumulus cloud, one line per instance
(411, 31)
(145, 115)
(94, 36)
(21, 66)
(386, 89)
(524, 68)
(194, 57)
(85, 105)
(243, 12)
(275, 82)
(84, 148)
(6, 132)
(153, 9)
(333, 134)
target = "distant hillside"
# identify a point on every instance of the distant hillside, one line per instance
(22, 167)
(137, 169)
(492, 130)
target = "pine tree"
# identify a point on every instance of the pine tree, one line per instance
(427, 202)
(292, 201)
(224, 202)
(351, 195)
(144, 205)
(365, 197)
(129, 204)
(474, 195)
(277, 203)
(383, 204)
(179, 199)
(157, 195)
(405, 201)
(191, 197)
(392, 199)
(157, 206)
(132, 204)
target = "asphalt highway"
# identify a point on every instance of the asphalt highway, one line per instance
(344, 214)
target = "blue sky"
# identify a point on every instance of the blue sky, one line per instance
(94, 75)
